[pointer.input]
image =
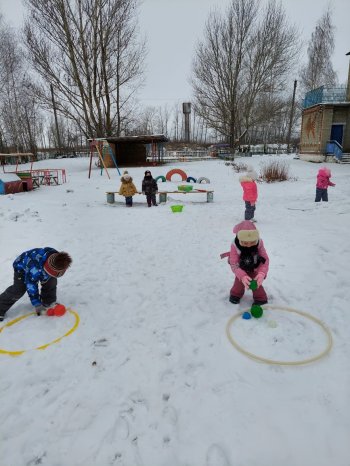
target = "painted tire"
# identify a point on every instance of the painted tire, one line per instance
(203, 179)
(160, 178)
(190, 178)
(178, 172)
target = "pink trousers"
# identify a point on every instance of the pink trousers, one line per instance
(238, 289)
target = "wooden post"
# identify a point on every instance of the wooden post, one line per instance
(291, 118)
(102, 161)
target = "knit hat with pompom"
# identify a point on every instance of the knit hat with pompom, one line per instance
(126, 176)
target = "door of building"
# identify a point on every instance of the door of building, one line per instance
(337, 134)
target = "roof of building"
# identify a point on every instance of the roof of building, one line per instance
(6, 177)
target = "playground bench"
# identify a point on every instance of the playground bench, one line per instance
(163, 195)
(111, 196)
(209, 193)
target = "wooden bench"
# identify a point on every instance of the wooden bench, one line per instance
(111, 196)
(209, 193)
(163, 195)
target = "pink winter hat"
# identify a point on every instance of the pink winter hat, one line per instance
(246, 231)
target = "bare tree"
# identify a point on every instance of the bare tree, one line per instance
(163, 117)
(319, 69)
(90, 52)
(242, 58)
(177, 121)
(20, 118)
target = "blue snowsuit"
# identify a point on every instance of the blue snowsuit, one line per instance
(28, 272)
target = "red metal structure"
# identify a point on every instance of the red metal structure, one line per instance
(47, 176)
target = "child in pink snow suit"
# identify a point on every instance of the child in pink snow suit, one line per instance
(250, 192)
(248, 259)
(323, 181)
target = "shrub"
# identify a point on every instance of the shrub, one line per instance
(240, 167)
(275, 171)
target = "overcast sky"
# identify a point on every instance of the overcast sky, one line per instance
(173, 27)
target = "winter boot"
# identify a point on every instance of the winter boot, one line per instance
(234, 299)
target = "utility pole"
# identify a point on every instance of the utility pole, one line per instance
(291, 118)
(56, 121)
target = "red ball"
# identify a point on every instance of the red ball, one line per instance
(50, 312)
(59, 310)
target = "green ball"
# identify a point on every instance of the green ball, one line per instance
(253, 285)
(256, 311)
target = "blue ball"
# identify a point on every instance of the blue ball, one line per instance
(246, 315)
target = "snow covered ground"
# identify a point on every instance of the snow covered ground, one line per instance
(149, 377)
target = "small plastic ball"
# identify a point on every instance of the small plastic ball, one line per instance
(246, 315)
(59, 310)
(253, 285)
(257, 311)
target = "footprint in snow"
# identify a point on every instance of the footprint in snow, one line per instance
(169, 414)
(121, 428)
(216, 456)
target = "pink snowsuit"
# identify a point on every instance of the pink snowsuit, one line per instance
(250, 195)
(238, 289)
(323, 181)
(323, 178)
(250, 190)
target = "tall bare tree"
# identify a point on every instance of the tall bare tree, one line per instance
(245, 56)
(319, 70)
(90, 51)
(20, 118)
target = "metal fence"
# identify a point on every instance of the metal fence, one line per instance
(323, 95)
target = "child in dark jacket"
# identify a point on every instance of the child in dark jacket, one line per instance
(127, 188)
(323, 181)
(42, 265)
(248, 260)
(150, 188)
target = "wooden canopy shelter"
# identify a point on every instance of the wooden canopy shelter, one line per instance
(138, 150)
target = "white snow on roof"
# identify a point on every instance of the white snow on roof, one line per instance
(5, 177)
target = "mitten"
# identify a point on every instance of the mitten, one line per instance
(259, 279)
(246, 281)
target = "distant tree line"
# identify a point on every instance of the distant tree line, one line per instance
(75, 69)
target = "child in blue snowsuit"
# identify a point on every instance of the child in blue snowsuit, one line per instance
(39, 265)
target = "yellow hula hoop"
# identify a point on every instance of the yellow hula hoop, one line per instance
(283, 363)
(42, 347)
